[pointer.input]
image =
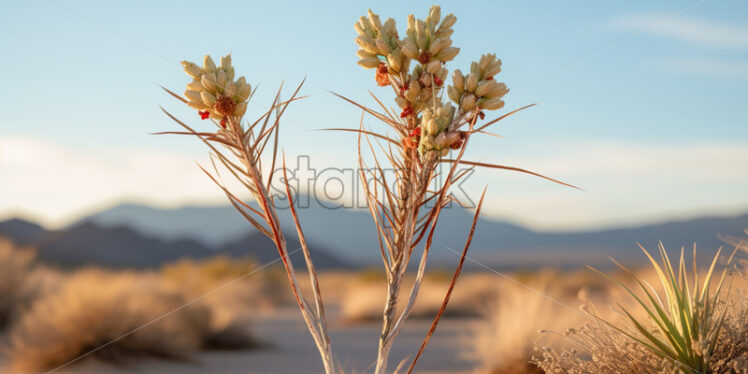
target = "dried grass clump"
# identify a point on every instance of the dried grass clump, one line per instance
(195, 278)
(15, 266)
(605, 350)
(504, 342)
(362, 300)
(731, 352)
(95, 309)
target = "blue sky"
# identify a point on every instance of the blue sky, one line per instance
(642, 104)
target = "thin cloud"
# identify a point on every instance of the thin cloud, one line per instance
(707, 66)
(686, 29)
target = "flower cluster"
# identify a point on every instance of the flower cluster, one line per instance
(213, 91)
(478, 90)
(437, 134)
(429, 42)
(380, 47)
(431, 125)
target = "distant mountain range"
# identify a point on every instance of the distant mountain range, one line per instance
(141, 236)
(89, 243)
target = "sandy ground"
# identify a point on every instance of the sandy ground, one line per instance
(293, 350)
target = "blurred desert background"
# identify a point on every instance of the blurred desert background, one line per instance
(118, 255)
(135, 288)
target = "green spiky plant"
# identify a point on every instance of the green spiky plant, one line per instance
(687, 321)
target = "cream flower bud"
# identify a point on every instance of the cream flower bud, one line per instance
(393, 61)
(411, 21)
(366, 43)
(432, 127)
(433, 66)
(195, 85)
(498, 90)
(374, 19)
(226, 62)
(484, 88)
(382, 47)
(435, 13)
(209, 82)
(444, 152)
(493, 69)
(444, 33)
(448, 21)
(420, 27)
(362, 53)
(492, 104)
(192, 70)
(243, 92)
(199, 105)
(221, 80)
(402, 103)
(484, 62)
(208, 64)
(458, 80)
(438, 45)
(410, 49)
(453, 94)
(192, 95)
(448, 54)
(230, 89)
(472, 82)
(369, 62)
(208, 98)
(359, 29)
(240, 109)
(468, 103)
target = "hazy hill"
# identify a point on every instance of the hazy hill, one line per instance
(348, 234)
(22, 232)
(89, 243)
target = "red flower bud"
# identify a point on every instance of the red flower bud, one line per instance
(383, 75)
(408, 111)
(204, 114)
(424, 57)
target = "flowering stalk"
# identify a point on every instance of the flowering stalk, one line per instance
(215, 94)
(426, 130)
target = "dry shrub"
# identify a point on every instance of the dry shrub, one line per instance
(96, 308)
(334, 284)
(605, 351)
(15, 266)
(504, 341)
(231, 286)
(362, 299)
(731, 352)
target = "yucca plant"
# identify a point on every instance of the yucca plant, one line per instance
(217, 96)
(687, 320)
(433, 120)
